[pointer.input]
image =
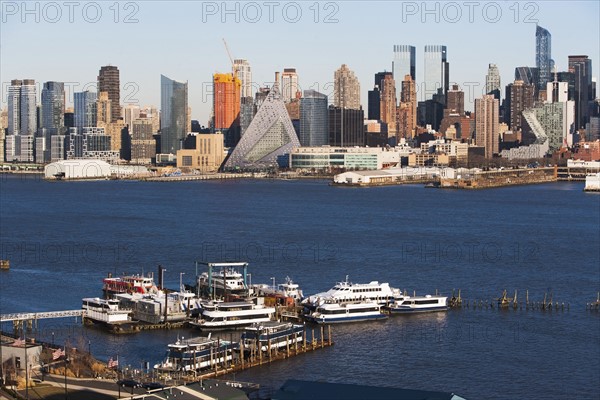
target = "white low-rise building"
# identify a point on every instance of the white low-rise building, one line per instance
(77, 169)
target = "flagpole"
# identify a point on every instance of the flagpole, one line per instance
(66, 361)
(26, 367)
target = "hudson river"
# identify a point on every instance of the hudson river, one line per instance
(62, 238)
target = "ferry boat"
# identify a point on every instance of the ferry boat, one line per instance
(232, 315)
(129, 284)
(334, 312)
(196, 353)
(271, 333)
(288, 289)
(150, 308)
(418, 304)
(381, 293)
(227, 280)
(104, 311)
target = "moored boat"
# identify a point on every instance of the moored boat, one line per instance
(271, 335)
(380, 293)
(196, 353)
(232, 315)
(99, 310)
(129, 284)
(334, 312)
(418, 304)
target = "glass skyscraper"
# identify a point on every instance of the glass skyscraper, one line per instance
(53, 106)
(85, 110)
(404, 63)
(314, 128)
(437, 72)
(173, 121)
(543, 57)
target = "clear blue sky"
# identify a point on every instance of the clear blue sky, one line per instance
(183, 40)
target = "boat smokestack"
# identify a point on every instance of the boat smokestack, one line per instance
(160, 276)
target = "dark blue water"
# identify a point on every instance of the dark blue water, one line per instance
(63, 238)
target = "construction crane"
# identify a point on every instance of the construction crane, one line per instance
(233, 66)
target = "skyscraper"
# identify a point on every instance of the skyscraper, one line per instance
(314, 128)
(388, 103)
(404, 63)
(374, 99)
(28, 108)
(407, 110)
(519, 96)
(103, 110)
(174, 104)
(226, 107)
(486, 124)
(53, 106)
(581, 68)
(14, 107)
(492, 81)
(289, 84)
(346, 127)
(244, 74)
(108, 81)
(543, 57)
(85, 110)
(346, 89)
(130, 113)
(437, 72)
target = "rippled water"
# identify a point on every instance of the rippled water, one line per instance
(63, 238)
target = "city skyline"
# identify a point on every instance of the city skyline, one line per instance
(314, 62)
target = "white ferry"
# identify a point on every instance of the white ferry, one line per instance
(104, 311)
(287, 289)
(333, 312)
(196, 354)
(272, 333)
(418, 304)
(381, 293)
(226, 280)
(233, 315)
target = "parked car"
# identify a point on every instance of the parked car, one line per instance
(152, 385)
(130, 383)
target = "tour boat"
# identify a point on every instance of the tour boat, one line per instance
(129, 284)
(418, 304)
(104, 311)
(271, 334)
(333, 312)
(196, 353)
(381, 293)
(232, 315)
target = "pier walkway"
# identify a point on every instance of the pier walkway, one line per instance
(40, 315)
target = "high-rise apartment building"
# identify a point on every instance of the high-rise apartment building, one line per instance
(174, 104)
(108, 81)
(581, 68)
(130, 113)
(388, 101)
(436, 72)
(543, 56)
(226, 107)
(85, 109)
(244, 74)
(314, 128)
(53, 107)
(346, 92)
(519, 96)
(487, 110)
(492, 81)
(103, 110)
(289, 84)
(143, 147)
(404, 63)
(407, 109)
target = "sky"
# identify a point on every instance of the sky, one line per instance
(70, 41)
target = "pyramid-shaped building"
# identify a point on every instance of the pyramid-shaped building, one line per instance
(269, 136)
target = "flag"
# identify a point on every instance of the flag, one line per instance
(58, 354)
(18, 342)
(113, 363)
